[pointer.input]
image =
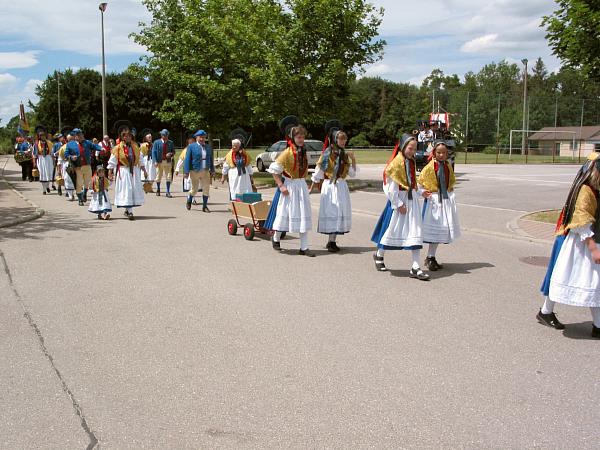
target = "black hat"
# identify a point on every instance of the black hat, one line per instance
(405, 139)
(40, 129)
(145, 132)
(287, 123)
(331, 127)
(122, 125)
(241, 135)
(66, 130)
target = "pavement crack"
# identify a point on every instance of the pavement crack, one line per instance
(78, 411)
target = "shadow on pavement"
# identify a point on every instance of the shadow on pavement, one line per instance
(37, 229)
(581, 330)
(448, 270)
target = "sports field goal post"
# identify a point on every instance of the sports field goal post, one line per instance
(574, 133)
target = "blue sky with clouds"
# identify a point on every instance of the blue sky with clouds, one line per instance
(457, 36)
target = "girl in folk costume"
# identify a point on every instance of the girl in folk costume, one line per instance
(237, 166)
(440, 217)
(125, 167)
(399, 227)
(290, 210)
(335, 164)
(146, 152)
(42, 158)
(68, 172)
(100, 203)
(573, 275)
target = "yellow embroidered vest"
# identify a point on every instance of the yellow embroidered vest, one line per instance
(229, 158)
(585, 210)
(291, 165)
(396, 170)
(119, 152)
(428, 177)
(331, 166)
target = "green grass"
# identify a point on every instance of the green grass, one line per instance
(550, 216)
(482, 158)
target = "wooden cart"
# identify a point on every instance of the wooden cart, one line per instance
(253, 215)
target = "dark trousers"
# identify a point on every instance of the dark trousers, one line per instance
(26, 169)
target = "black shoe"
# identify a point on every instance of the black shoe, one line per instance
(332, 247)
(44, 192)
(595, 332)
(188, 205)
(99, 216)
(306, 252)
(379, 265)
(194, 202)
(549, 320)
(418, 274)
(131, 216)
(81, 203)
(276, 245)
(53, 187)
(168, 195)
(48, 190)
(59, 191)
(432, 264)
(158, 192)
(205, 209)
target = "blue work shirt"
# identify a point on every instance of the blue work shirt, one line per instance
(194, 161)
(88, 147)
(157, 150)
(55, 148)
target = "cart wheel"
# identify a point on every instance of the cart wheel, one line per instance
(282, 234)
(249, 231)
(231, 227)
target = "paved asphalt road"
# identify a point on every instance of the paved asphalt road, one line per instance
(168, 333)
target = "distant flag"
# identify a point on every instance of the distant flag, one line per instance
(23, 127)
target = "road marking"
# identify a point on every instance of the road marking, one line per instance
(526, 180)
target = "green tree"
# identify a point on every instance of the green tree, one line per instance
(250, 62)
(573, 31)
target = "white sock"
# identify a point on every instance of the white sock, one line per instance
(380, 252)
(548, 306)
(129, 210)
(416, 257)
(596, 315)
(332, 237)
(432, 250)
(44, 185)
(277, 236)
(304, 241)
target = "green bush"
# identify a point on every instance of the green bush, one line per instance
(489, 150)
(360, 140)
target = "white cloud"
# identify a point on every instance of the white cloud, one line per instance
(73, 25)
(12, 95)
(18, 60)
(7, 79)
(481, 44)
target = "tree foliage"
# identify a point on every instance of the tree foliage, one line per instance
(573, 31)
(251, 62)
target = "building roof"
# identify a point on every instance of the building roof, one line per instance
(587, 133)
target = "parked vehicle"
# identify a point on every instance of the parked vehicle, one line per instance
(313, 152)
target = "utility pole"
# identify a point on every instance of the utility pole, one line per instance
(524, 61)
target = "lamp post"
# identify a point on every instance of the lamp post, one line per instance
(102, 8)
(524, 128)
(58, 84)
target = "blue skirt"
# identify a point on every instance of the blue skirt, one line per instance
(558, 242)
(382, 225)
(272, 211)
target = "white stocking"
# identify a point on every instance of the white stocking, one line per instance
(304, 241)
(432, 250)
(277, 236)
(548, 306)
(596, 315)
(416, 257)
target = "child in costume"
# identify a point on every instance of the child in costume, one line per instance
(290, 210)
(440, 217)
(334, 165)
(100, 203)
(399, 227)
(573, 275)
(238, 169)
(146, 152)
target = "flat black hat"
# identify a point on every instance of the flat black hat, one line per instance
(121, 125)
(331, 126)
(66, 130)
(145, 132)
(405, 139)
(40, 129)
(287, 123)
(241, 134)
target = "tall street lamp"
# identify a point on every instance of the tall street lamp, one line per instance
(524, 127)
(102, 8)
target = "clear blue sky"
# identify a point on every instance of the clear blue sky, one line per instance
(41, 36)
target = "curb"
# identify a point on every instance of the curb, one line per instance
(39, 212)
